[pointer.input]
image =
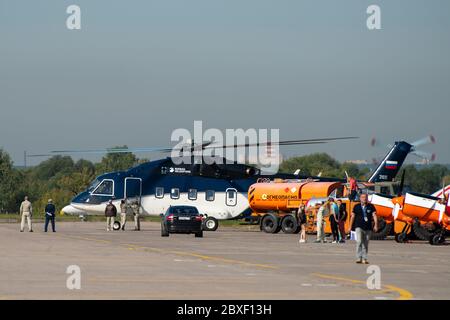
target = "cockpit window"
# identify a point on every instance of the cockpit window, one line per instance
(105, 188)
(94, 185)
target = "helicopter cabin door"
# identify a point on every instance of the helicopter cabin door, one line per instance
(133, 189)
(231, 197)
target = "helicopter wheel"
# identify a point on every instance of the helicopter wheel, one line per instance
(210, 224)
(116, 225)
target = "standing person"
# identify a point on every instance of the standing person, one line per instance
(301, 217)
(353, 187)
(50, 210)
(342, 216)
(123, 213)
(137, 221)
(334, 212)
(364, 216)
(320, 223)
(110, 214)
(26, 212)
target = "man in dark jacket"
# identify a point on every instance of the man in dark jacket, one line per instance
(364, 218)
(50, 215)
(110, 214)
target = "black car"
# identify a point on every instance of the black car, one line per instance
(182, 219)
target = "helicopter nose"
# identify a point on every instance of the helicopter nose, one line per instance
(70, 210)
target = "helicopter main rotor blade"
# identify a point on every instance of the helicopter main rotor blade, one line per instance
(283, 143)
(190, 147)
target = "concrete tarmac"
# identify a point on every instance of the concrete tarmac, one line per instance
(231, 263)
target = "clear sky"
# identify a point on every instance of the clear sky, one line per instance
(139, 69)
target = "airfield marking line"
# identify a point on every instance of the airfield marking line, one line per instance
(83, 238)
(180, 253)
(403, 293)
(204, 257)
(176, 280)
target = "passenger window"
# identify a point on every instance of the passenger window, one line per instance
(192, 194)
(209, 195)
(106, 188)
(159, 193)
(175, 193)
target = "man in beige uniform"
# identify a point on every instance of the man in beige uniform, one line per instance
(136, 213)
(26, 211)
(123, 213)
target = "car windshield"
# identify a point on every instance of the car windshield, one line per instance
(183, 210)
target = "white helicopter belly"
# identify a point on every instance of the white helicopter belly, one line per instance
(217, 208)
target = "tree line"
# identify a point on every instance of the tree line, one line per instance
(61, 178)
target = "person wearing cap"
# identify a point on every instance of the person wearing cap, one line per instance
(110, 214)
(26, 212)
(50, 215)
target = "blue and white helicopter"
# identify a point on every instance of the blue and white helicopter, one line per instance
(218, 190)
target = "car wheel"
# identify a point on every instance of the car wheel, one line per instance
(199, 234)
(210, 224)
(164, 231)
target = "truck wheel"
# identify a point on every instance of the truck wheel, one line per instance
(289, 225)
(270, 224)
(210, 224)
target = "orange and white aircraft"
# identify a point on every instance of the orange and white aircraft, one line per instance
(427, 215)
(423, 208)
